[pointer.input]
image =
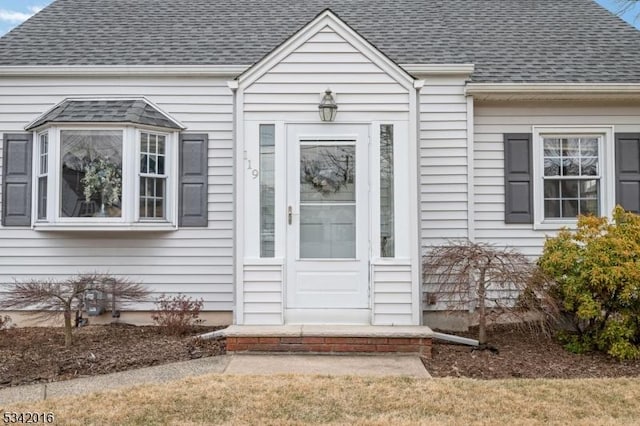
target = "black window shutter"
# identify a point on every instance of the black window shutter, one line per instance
(518, 175)
(16, 181)
(192, 210)
(628, 171)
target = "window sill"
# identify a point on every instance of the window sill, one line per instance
(116, 227)
(555, 226)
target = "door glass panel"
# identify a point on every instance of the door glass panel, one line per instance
(267, 190)
(327, 173)
(327, 200)
(387, 240)
(328, 232)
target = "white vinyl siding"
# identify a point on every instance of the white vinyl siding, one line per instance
(392, 294)
(443, 168)
(443, 161)
(293, 88)
(193, 261)
(262, 294)
(492, 120)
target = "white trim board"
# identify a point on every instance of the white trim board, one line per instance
(188, 70)
(122, 70)
(557, 91)
(439, 69)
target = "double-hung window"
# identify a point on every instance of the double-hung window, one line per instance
(573, 174)
(42, 175)
(153, 176)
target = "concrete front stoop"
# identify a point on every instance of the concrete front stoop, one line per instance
(410, 340)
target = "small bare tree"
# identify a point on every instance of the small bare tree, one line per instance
(50, 298)
(487, 278)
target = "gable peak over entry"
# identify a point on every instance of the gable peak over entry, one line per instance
(326, 21)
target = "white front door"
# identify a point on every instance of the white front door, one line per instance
(328, 223)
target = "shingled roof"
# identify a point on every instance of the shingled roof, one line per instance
(137, 111)
(507, 40)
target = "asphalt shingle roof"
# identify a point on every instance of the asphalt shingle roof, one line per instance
(135, 111)
(508, 40)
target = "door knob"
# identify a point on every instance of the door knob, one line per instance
(290, 215)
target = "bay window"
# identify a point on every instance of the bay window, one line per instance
(89, 177)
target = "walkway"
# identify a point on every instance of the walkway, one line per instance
(238, 364)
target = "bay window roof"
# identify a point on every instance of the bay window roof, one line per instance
(136, 111)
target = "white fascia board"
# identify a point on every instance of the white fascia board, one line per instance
(326, 18)
(122, 70)
(166, 114)
(438, 69)
(553, 90)
(193, 70)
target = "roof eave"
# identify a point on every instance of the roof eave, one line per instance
(188, 70)
(439, 69)
(553, 91)
(121, 70)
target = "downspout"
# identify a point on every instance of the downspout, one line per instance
(471, 225)
(471, 221)
(233, 86)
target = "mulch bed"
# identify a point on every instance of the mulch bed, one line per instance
(38, 355)
(522, 355)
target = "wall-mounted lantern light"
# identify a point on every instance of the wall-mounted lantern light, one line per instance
(328, 108)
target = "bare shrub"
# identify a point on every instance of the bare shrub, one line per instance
(498, 282)
(178, 314)
(5, 322)
(50, 298)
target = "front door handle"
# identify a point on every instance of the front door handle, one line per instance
(290, 215)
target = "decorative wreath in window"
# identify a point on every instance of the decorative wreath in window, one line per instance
(102, 177)
(330, 175)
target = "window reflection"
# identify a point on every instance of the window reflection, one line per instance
(387, 240)
(267, 190)
(571, 176)
(91, 173)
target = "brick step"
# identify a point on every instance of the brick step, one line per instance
(330, 339)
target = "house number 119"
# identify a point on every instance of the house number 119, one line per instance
(254, 172)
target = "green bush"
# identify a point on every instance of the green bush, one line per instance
(596, 273)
